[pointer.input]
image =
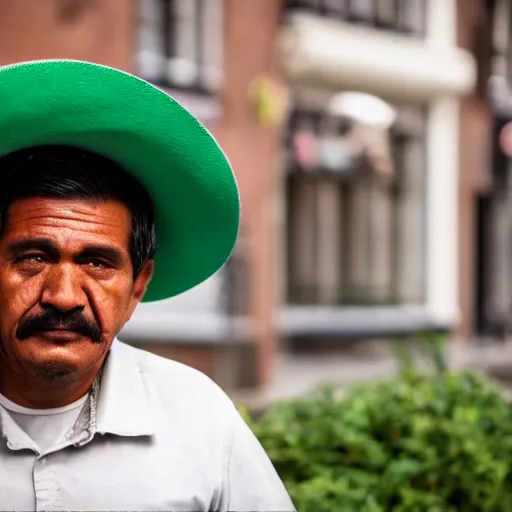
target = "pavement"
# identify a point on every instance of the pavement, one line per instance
(363, 362)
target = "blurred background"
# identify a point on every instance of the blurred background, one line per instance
(371, 140)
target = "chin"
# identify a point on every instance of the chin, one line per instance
(51, 362)
(53, 372)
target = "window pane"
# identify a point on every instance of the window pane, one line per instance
(358, 237)
(211, 44)
(183, 51)
(151, 53)
(362, 10)
(387, 13)
(302, 241)
(412, 16)
(335, 8)
(501, 27)
(310, 5)
(500, 296)
(411, 218)
(328, 246)
(358, 244)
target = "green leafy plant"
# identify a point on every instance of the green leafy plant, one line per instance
(425, 443)
(431, 345)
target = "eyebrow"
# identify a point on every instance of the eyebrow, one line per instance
(43, 244)
(47, 246)
(102, 251)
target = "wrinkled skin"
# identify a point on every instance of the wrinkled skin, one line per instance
(66, 259)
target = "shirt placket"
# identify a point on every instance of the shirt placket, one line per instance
(46, 485)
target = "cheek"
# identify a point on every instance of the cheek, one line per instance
(16, 297)
(111, 303)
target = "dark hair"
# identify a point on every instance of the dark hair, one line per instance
(65, 172)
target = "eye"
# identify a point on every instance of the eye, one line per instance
(31, 258)
(31, 263)
(98, 263)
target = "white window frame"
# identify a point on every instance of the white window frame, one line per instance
(193, 85)
(441, 307)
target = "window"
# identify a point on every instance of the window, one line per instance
(180, 44)
(405, 16)
(501, 12)
(494, 283)
(356, 199)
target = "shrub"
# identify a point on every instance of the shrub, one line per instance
(421, 443)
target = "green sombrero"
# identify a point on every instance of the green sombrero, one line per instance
(126, 119)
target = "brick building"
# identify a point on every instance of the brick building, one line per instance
(485, 28)
(208, 63)
(330, 240)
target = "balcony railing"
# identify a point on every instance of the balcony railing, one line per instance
(403, 16)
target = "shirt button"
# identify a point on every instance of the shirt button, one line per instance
(43, 460)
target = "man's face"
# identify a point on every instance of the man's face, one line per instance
(66, 284)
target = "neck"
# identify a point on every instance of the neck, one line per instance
(35, 393)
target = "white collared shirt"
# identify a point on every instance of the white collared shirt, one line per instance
(46, 427)
(158, 436)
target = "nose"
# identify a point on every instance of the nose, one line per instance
(62, 290)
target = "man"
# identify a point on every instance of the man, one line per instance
(97, 169)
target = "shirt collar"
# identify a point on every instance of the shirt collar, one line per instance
(122, 407)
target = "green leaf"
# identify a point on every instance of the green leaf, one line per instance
(419, 442)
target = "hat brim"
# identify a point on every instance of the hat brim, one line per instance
(124, 118)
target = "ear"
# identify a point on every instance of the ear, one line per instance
(140, 285)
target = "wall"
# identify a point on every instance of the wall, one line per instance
(103, 31)
(473, 34)
(97, 30)
(251, 30)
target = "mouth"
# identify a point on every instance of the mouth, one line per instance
(62, 336)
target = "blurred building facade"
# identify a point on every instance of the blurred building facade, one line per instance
(360, 133)
(381, 258)
(206, 54)
(493, 213)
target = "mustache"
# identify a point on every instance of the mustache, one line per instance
(51, 320)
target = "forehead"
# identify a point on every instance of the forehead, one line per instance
(69, 221)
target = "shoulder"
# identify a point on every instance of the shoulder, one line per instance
(173, 381)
